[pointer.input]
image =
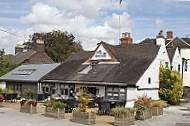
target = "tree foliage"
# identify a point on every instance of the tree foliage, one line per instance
(6, 67)
(170, 85)
(58, 45)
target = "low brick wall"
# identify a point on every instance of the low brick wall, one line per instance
(156, 111)
(55, 113)
(125, 120)
(144, 115)
(28, 109)
(87, 118)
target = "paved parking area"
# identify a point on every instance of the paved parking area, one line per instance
(169, 118)
(11, 117)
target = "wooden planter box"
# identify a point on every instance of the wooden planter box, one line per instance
(1, 104)
(87, 118)
(144, 115)
(28, 109)
(55, 113)
(156, 111)
(124, 120)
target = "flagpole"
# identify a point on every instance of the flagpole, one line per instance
(119, 21)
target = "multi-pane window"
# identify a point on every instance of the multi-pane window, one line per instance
(66, 89)
(116, 93)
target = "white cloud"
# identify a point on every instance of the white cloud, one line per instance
(8, 41)
(159, 22)
(79, 18)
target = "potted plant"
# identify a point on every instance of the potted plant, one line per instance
(29, 93)
(1, 100)
(123, 116)
(143, 105)
(81, 114)
(28, 106)
(54, 109)
(157, 107)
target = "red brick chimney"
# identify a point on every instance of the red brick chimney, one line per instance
(126, 38)
(160, 35)
(39, 46)
(3, 52)
(169, 35)
(18, 48)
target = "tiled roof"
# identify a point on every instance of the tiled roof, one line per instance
(177, 42)
(38, 71)
(134, 61)
(30, 56)
(171, 52)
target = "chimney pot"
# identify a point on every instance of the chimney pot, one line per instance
(39, 46)
(169, 35)
(123, 35)
(18, 48)
(126, 38)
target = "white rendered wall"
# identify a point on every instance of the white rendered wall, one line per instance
(153, 72)
(3, 85)
(185, 53)
(177, 61)
(131, 97)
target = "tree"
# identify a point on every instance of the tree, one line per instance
(170, 85)
(58, 45)
(6, 67)
(1, 53)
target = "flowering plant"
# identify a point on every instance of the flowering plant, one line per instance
(1, 98)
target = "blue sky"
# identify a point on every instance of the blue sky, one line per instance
(92, 20)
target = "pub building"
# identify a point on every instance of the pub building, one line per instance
(117, 72)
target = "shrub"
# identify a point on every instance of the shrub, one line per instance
(118, 111)
(83, 101)
(49, 103)
(159, 104)
(22, 102)
(59, 105)
(10, 91)
(1, 98)
(1, 90)
(170, 85)
(142, 103)
(28, 93)
(31, 102)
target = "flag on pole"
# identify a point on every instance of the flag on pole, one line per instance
(120, 1)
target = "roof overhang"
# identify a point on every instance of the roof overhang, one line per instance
(89, 83)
